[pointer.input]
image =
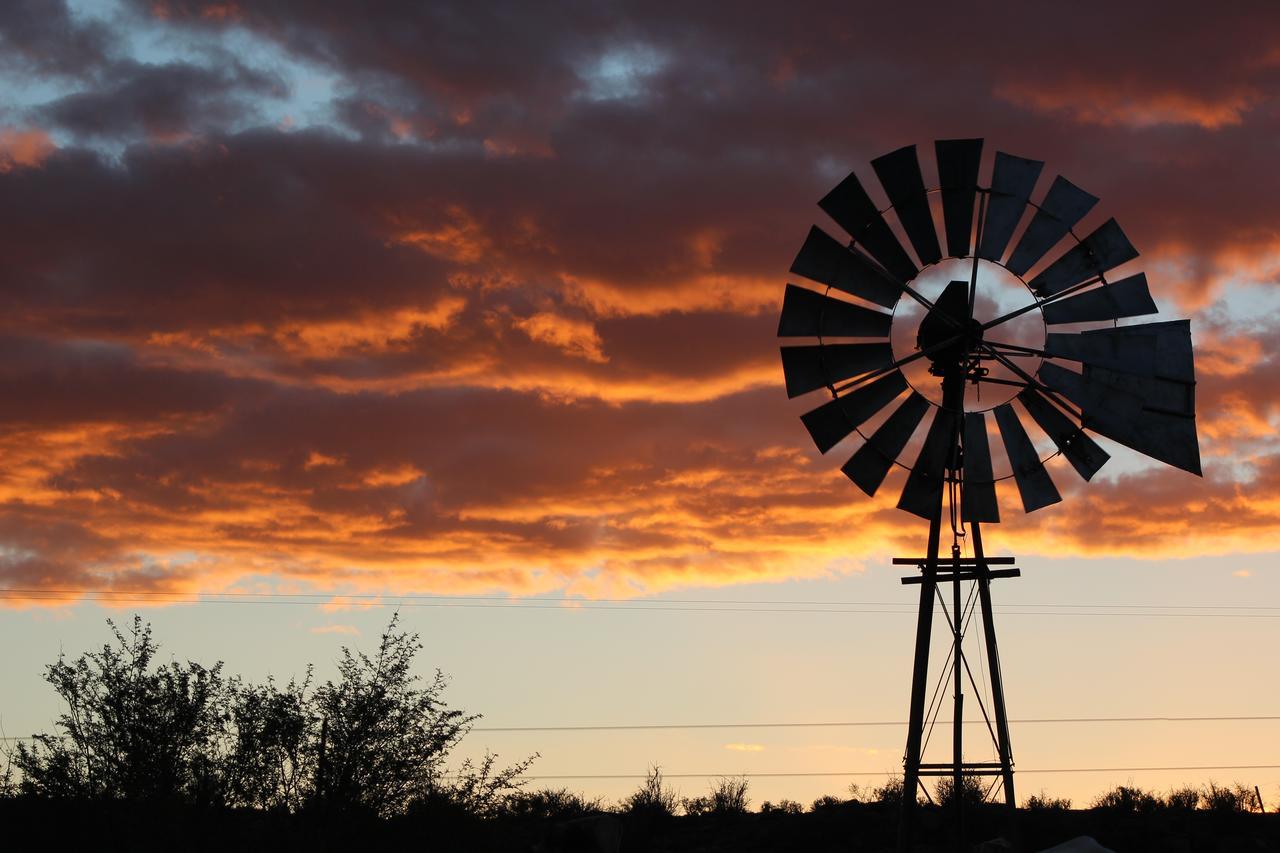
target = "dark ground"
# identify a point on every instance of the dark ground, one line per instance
(42, 825)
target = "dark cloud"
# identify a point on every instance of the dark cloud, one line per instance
(513, 312)
(160, 102)
(43, 36)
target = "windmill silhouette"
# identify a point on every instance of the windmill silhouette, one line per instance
(1048, 349)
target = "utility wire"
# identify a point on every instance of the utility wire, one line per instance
(884, 773)
(1147, 611)
(862, 723)
(845, 724)
(328, 597)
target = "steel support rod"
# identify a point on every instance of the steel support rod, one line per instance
(997, 685)
(919, 678)
(957, 719)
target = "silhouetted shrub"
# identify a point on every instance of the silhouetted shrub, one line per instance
(972, 791)
(131, 731)
(890, 793)
(1127, 799)
(373, 740)
(1226, 800)
(728, 796)
(554, 804)
(1043, 802)
(781, 807)
(826, 801)
(1183, 799)
(653, 798)
(272, 760)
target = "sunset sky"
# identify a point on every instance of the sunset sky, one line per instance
(397, 299)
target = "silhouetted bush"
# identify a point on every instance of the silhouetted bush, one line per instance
(890, 793)
(553, 804)
(1127, 799)
(972, 791)
(728, 796)
(653, 798)
(274, 746)
(1226, 800)
(1183, 799)
(826, 801)
(781, 807)
(1042, 802)
(375, 740)
(130, 731)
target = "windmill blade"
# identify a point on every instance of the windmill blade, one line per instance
(979, 502)
(823, 258)
(1011, 184)
(1034, 483)
(868, 467)
(832, 421)
(1117, 348)
(958, 162)
(1156, 394)
(1104, 249)
(809, 314)
(1159, 350)
(1082, 452)
(1128, 297)
(811, 367)
(922, 495)
(1064, 206)
(899, 173)
(850, 206)
(1120, 415)
(1089, 396)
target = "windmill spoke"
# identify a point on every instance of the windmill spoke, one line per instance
(1040, 303)
(1033, 382)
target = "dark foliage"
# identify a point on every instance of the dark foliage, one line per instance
(375, 740)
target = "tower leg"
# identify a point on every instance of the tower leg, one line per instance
(919, 683)
(957, 724)
(997, 685)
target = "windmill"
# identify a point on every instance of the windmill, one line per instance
(980, 336)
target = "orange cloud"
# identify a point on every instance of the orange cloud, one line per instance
(24, 149)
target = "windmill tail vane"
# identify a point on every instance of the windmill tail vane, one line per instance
(1005, 323)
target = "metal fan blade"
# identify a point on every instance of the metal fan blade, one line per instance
(831, 422)
(1104, 249)
(811, 367)
(1115, 348)
(1064, 205)
(899, 174)
(1034, 483)
(1159, 395)
(1128, 297)
(1089, 396)
(1161, 350)
(1119, 414)
(1082, 452)
(807, 313)
(979, 503)
(1011, 184)
(869, 466)
(850, 206)
(823, 258)
(922, 495)
(958, 162)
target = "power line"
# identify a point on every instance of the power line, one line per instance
(863, 723)
(841, 724)
(884, 773)
(1147, 611)
(385, 598)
